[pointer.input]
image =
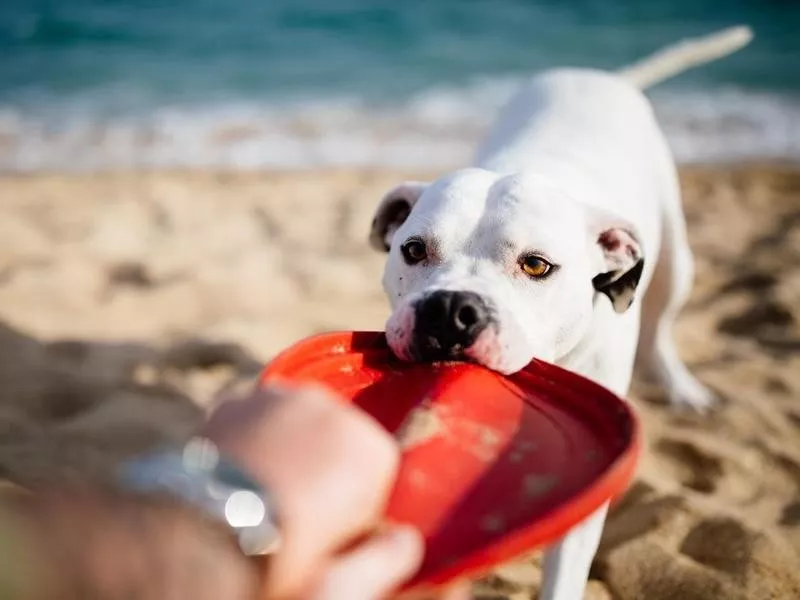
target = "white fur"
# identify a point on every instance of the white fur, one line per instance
(575, 153)
(573, 148)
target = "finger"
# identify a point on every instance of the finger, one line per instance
(374, 568)
(329, 467)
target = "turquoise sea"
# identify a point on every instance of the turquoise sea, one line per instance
(91, 84)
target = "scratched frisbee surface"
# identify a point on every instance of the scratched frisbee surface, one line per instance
(493, 466)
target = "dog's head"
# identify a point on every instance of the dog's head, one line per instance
(498, 269)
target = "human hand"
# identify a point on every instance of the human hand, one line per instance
(330, 469)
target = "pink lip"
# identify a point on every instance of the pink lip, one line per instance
(486, 349)
(399, 330)
(399, 334)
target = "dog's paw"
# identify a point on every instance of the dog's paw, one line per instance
(689, 394)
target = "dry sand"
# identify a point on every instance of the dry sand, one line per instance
(131, 299)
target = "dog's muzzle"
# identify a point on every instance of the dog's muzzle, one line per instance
(447, 323)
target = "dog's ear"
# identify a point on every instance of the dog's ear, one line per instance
(623, 263)
(392, 212)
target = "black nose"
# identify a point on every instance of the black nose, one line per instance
(447, 323)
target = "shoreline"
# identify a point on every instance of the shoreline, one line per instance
(780, 165)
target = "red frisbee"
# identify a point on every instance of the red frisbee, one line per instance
(492, 466)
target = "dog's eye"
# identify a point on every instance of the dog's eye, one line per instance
(535, 266)
(414, 251)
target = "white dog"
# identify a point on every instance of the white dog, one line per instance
(565, 241)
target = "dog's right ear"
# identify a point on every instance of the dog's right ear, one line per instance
(392, 212)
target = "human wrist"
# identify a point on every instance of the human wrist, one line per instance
(20, 576)
(198, 475)
(111, 544)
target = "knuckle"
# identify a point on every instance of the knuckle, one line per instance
(349, 439)
(309, 396)
(375, 446)
(369, 458)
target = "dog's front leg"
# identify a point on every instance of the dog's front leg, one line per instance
(567, 562)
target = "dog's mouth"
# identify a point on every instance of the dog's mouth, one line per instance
(447, 326)
(462, 328)
(430, 350)
(484, 350)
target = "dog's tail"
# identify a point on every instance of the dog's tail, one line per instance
(684, 55)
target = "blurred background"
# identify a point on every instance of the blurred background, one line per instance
(186, 189)
(298, 83)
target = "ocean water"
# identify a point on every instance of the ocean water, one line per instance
(93, 84)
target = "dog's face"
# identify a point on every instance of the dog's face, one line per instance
(498, 269)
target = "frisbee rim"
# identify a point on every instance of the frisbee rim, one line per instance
(544, 529)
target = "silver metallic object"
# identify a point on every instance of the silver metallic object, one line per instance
(197, 474)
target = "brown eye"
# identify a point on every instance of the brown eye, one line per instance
(535, 266)
(414, 251)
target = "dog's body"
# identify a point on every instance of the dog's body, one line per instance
(595, 135)
(566, 241)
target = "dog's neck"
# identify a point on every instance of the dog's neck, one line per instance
(599, 347)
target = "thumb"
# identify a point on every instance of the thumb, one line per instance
(374, 568)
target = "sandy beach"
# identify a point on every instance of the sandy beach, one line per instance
(130, 301)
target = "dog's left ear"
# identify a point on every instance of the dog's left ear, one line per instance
(392, 212)
(624, 263)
